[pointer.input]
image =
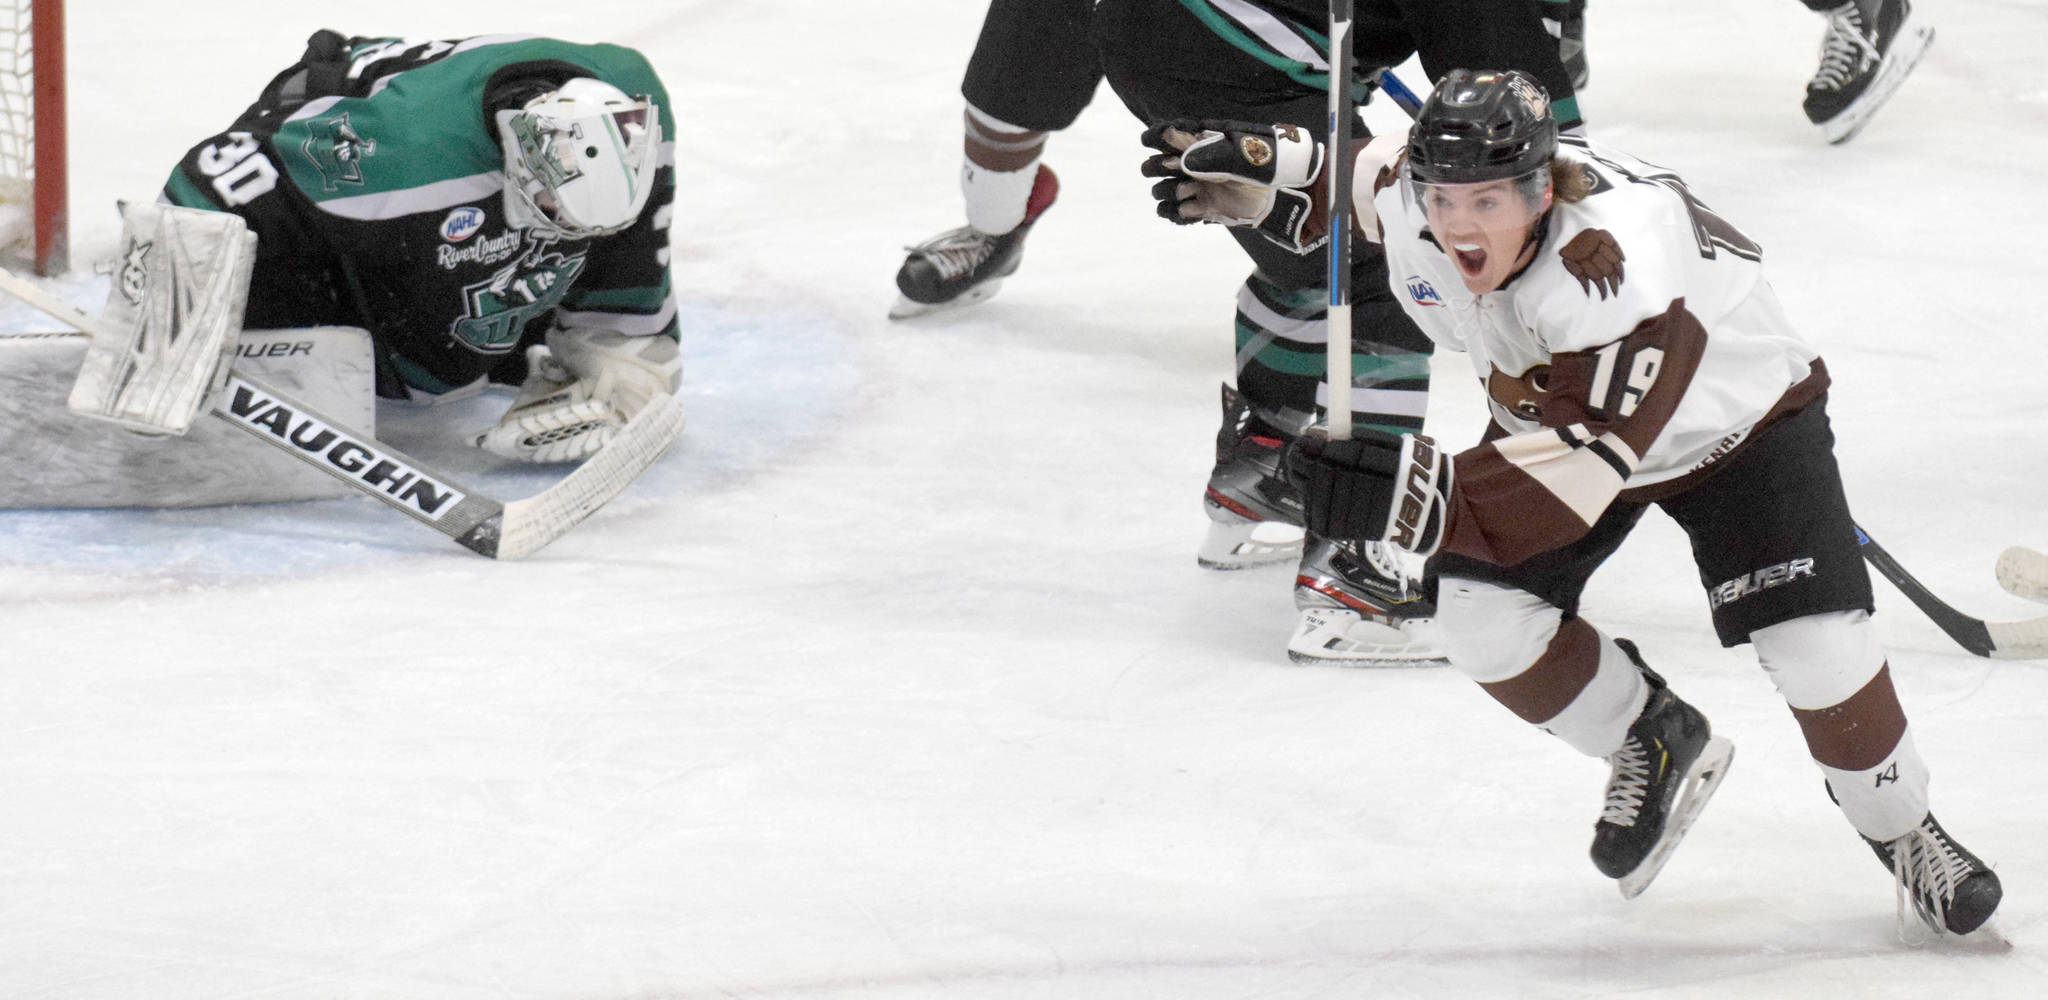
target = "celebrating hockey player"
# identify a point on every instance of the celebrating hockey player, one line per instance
(1633, 355)
(493, 210)
(1263, 60)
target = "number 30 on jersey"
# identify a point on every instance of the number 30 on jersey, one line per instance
(240, 171)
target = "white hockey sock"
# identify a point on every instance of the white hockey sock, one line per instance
(1596, 722)
(996, 199)
(1885, 801)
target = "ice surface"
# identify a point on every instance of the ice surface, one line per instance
(896, 677)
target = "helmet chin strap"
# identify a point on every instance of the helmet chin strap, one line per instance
(1537, 231)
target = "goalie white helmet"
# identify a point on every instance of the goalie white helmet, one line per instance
(580, 159)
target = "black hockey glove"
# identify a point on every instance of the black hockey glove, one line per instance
(1239, 174)
(1373, 487)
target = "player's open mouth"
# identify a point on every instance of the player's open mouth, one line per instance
(1471, 257)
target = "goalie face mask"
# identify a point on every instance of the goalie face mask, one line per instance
(580, 160)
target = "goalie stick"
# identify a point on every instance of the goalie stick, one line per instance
(489, 527)
(2021, 640)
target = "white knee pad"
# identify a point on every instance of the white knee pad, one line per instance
(1820, 660)
(1495, 633)
(1490, 632)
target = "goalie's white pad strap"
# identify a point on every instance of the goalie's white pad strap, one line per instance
(167, 334)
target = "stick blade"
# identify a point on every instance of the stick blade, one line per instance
(532, 523)
(2023, 572)
(2027, 640)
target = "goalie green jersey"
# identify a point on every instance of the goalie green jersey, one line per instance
(372, 175)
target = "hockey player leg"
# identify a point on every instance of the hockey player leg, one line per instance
(1671, 757)
(1254, 515)
(1597, 695)
(1006, 189)
(1831, 670)
(1870, 47)
(1361, 604)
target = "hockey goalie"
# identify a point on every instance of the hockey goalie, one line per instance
(392, 222)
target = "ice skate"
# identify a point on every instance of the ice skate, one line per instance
(1254, 515)
(1871, 46)
(963, 266)
(1357, 606)
(1951, 890)
(1663, 775)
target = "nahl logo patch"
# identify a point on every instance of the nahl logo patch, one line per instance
(344, 454)
(462, 223)
(1422, 292)
(1762, 579)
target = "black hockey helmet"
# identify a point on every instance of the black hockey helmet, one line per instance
(1482, 125)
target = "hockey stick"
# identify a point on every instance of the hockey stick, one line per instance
(2022, 640)
(488, 527)
(1337, 377)
(1398, 92)
(2023, 572)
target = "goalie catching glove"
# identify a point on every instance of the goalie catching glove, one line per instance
(1239, 174)
(580, 389)
(1374, 487)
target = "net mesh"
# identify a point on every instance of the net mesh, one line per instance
(17, 127)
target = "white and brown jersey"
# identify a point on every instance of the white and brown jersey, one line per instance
(1639, 347)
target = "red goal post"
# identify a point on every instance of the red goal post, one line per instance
(33, 195)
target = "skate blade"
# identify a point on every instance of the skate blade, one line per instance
(1917, 932)
(1702, 780)
(1238, 545)
(907, 307)
(1340, 637)
(1898, 65)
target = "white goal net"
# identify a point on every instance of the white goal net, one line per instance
(32, 188)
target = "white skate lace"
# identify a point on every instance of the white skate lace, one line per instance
(1387, 563)
(1627, 786)
(1926, 872)
(956, 251)
(1845, 50)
